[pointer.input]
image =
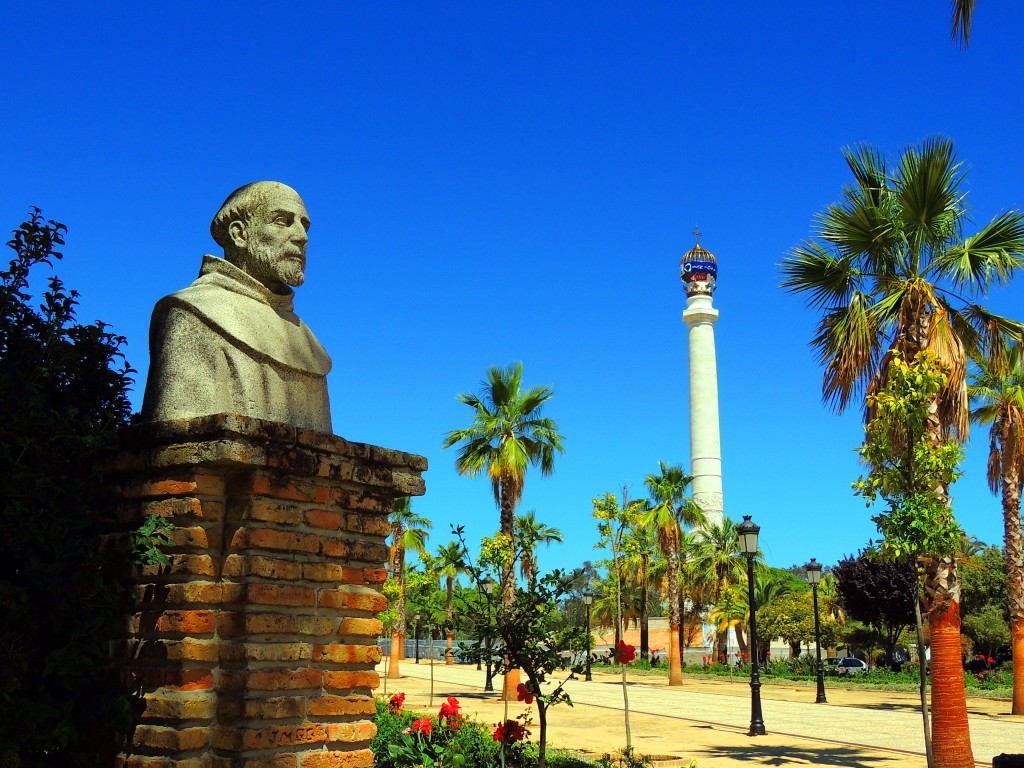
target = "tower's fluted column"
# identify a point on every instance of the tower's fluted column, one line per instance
(699, 271)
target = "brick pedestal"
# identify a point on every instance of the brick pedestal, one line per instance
(256, 647)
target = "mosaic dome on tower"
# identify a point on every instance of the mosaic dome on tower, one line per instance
(699, 268)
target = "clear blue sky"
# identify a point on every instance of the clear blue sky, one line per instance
(491, 183)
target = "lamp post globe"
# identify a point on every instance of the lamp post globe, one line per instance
(813, 570)
(588, 600)
(748, 532)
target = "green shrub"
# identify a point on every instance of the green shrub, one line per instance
(63, 578)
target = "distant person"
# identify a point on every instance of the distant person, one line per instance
(230, 342)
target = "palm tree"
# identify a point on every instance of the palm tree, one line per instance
(450, 563)
(529, 534)
(639, 551)
(730, 612)
(671, 510)
(718, 563)
(997, 392)
(831, 603)
(890, 278)
(507, 435)
(408, 531)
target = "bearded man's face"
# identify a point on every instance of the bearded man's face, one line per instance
(276, 237)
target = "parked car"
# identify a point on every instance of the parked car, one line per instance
(851, 666)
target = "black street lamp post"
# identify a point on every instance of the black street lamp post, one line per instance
(416, 618)
(588, 600)
(489, 585)
(813, 569)
(748, 532)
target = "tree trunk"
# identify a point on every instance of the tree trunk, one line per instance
(645, 620)
(741, 641)
(922, 676)
(397, 641)
(675, 667)
(1012, 538)
(510, 685)
(951, 736)
(449, 616)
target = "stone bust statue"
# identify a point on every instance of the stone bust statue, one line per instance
(230, 342)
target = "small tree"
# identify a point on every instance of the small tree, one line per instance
(528, 632)
(880, 594)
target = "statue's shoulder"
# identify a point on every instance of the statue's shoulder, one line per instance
(246, 323)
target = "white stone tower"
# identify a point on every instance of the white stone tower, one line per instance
(699, 272)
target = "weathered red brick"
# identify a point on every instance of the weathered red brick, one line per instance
(196, 679)
(283, 679)
(352, 599)
(355, 627)
(198, 622)
(341, 706)
(347, 654)
(359, 758)
(269, 512)
(267, 538)
(274, 594)
(170, 739)
(172, 705)
(321, 518)
(267, 737)
(264, 567)
(185, 564)
(351, 732)
(347, 679)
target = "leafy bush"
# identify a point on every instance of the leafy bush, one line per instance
(63, 585)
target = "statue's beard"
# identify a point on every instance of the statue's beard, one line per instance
(267, 263)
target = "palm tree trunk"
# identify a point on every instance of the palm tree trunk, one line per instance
(675, 667)
(645, 619)
(397, 641)
(951, 736)
(449, 655)
(1012, 538)
(510, 684)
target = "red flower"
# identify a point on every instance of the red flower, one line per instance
(624, 653)
(991, 660)
(449, 710)
(396, 702)
(768, 653)
(510, 731)
(745, 655)
(524, 694)
(423, 725)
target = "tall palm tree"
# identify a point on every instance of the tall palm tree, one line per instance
(670, 511)
(718, 563)
(507, 435)
(891, 275)
(408, 531)
(450, 564)
(996, 390)
(530, 533)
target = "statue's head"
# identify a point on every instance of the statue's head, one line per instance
(262, 228)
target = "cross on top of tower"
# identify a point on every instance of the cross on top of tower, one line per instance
(697, 233)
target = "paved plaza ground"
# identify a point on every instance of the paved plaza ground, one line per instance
(707, 720)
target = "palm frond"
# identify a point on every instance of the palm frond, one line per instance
(827, 279)
(963, 16)
(986, 258)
